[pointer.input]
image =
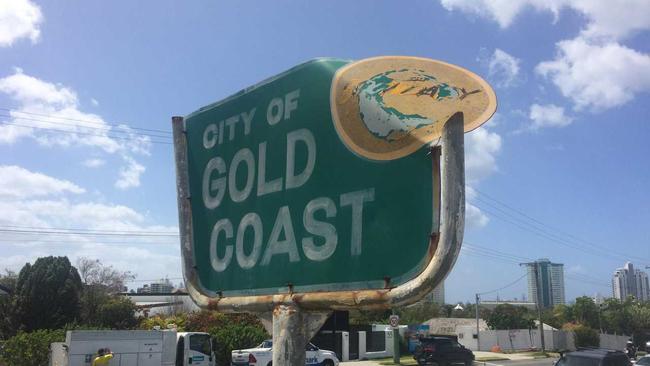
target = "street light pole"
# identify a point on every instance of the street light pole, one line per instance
(478, 344)
(535, 266)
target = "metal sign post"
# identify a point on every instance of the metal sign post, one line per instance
(394, 323)
(335, 185)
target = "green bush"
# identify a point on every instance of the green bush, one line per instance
(586, 337)
(30, 349)
(117, 313)
(232, 335)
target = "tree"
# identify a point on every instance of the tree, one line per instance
(94, 273)
(233, 335)
(117, 313)
(418, 313)
(30, 349)
(506, 316)
(558, 316)
(585, 311)
(47, 294)
(7, 328)
(99, 283)
(584, 335)
(163, 321)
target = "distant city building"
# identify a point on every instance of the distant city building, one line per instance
(551, 282)
(437, 295)
(598, 299)
(491, 305)
(628, 281)
(161, 287)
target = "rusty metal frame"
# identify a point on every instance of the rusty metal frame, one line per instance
(444, 246)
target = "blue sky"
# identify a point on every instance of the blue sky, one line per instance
(560, 172)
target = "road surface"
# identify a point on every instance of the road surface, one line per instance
(535, 362)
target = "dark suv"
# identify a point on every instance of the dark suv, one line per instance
(594, 357)
(441, 351)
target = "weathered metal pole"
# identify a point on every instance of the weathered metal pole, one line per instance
(292, 330)
(539, 306)
(478, 344)
(396, 353)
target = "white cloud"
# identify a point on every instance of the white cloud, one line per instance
(130, 175)
(94, 163)
(614, 19)
(19, 19)
(49, 114)
(594, 69)
(548, 115)
(94, 102)
(503, 68)
(597, 76)
(54, 209)
(481, 148)
(474, 217)
(19, 182)
(502, 11)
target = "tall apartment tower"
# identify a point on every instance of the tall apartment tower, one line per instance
(550, 281)
(437, 295)
(628, 281)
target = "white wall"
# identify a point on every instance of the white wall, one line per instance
(524, 339)
(612, 341)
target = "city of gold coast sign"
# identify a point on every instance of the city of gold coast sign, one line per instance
(326, 181)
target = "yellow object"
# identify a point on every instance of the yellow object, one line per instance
(102, 360)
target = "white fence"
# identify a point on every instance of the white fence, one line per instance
(612, 341)
(525, 339)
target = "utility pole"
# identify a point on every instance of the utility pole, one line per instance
(535, 266)
(478, 344)
(600, 320)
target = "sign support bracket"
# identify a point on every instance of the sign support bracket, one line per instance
(293, 327)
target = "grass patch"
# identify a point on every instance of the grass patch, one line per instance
(490, 358)
(404, 360)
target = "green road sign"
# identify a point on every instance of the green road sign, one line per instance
(322, 178)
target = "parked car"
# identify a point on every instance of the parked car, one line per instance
(441, 351)
(262, 355)
(594, 357)
(643, 361)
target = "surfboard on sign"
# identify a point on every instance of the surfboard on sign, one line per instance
(387, 107)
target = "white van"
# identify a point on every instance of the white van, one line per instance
(134, 348)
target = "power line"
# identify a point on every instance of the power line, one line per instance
(574, 238)
(87, 230)
(554, 238)
(119, 129)
(7, 241)
(125, 138)
(508, 259)
(504, 287)
(83, 120)
(53, 232)
(167, 278)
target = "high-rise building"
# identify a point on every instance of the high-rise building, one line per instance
(550, 280)
(161, 287)
(628, 281)
(437, 295)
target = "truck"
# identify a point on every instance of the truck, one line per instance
(134, 348)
